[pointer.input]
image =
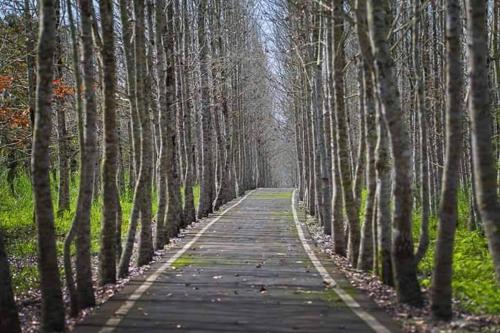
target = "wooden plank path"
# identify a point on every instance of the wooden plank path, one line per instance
(245, 270)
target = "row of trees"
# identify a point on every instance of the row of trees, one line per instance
(173, 90)
(377, 91)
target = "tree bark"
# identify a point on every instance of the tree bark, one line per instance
(174, 209)
(107, 262)
(50, 283)
(407, 285)
(9, 318)
(206, 189)
(481, 128)
(441, 295)
(341, 132)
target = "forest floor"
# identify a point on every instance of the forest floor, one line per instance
(411, 319)
(245, 269)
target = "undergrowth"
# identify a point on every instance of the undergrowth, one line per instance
(474, 284)
(16, 220)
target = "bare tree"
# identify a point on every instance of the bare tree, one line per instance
(207, 181)
(448, 215)
(50, 283)
(407, 285)
(107, 263)
(481, 123)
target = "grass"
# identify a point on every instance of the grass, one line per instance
(273, 195)
(16, 219)
(474, 284)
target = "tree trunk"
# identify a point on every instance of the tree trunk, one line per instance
(441, 296)
(407, 285)
(50, 283)
(174, 209)
(205, 206)
(142, 194)
(366, 251)
(68, 241)
(481, 128)
(189, 207)
(107, 262)
(143, 188)
(161, 30)
(9, 318)
(84, 285)
(342, 144)
(423, 243)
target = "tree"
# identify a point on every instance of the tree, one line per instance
(62, 132)
(174, 208)
(422, 111)
(107, 262)
(403, 258)
(481, 122)
(142, 192)
(189, 179)
(207, 180)
(161, 30)
(366, 251)
(341, 133)
(50, 283)
(70, 237)
(448, 213)
(88, 153)
(9, 318)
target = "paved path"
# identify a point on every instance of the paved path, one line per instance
(247, 272)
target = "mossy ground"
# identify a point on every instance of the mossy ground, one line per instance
(329, 296)
(273, 195)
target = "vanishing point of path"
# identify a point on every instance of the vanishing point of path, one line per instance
(252, 268)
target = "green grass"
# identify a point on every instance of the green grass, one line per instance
(273, 195)
(16, 219)
(474, 284)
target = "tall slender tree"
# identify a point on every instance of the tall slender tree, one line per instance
(481, 128)
(50, 283)
(88, 154)
(207, 180)
(107, 262)
(407, 286)
(448, 213)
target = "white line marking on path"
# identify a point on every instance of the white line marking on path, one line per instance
(119, 314)
(355, 307)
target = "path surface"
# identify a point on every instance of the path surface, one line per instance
(248, 272)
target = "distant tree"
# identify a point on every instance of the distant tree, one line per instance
(174, 206)
(207, 180)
